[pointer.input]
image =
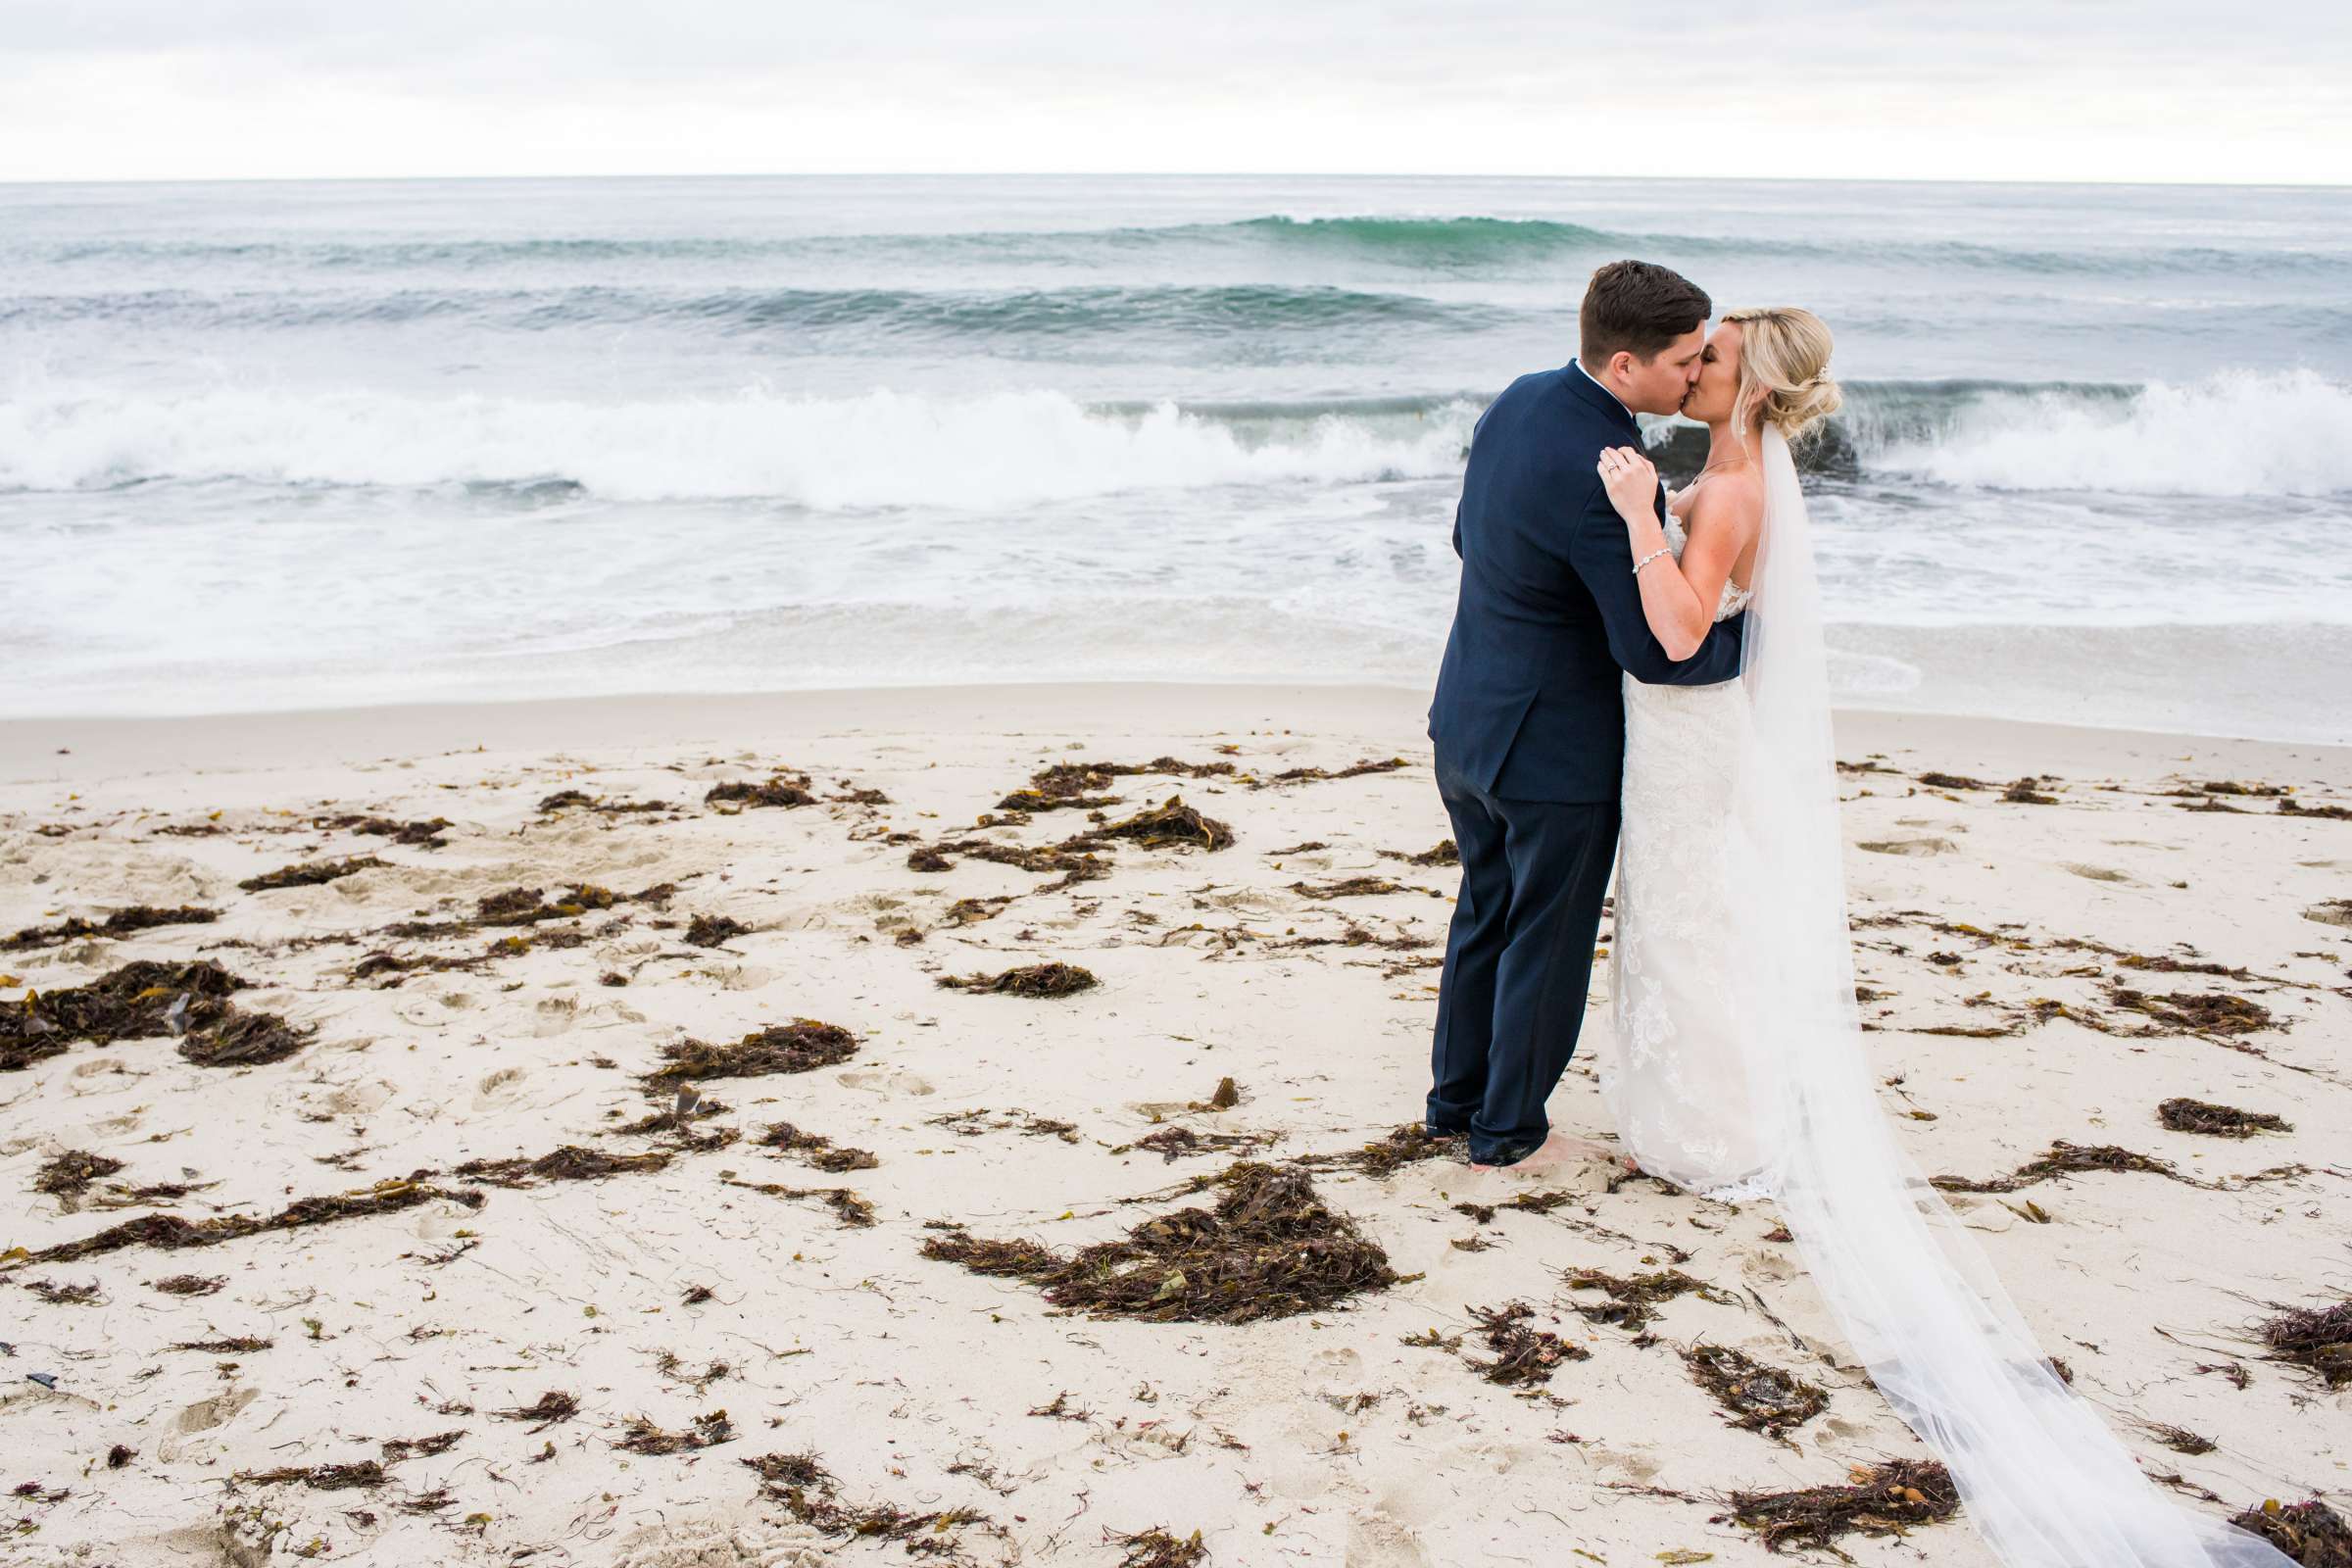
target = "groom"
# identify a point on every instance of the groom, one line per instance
(1529, 717)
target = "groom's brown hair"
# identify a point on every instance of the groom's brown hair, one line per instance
(1638, 306)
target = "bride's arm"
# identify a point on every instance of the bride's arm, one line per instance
(1679, 599)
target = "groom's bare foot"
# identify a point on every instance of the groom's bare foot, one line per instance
(1557, 1150)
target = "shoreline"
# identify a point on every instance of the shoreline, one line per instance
(104, 746)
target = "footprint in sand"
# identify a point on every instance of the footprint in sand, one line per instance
(185, 1442)
(500, 1089)
(359, 1099)
(79, 1079)
(1633, 1465)
(886, 1081)
(1925, 846)
(1377, 1541)
(741, 977)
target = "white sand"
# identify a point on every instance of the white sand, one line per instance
(1312, 1439)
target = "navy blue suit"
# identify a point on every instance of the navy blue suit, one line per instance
(1529, 725)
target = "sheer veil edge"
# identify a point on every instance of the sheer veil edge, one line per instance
(2039, 1474)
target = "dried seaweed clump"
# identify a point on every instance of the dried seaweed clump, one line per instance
(139, 1001)
(320, 1477)
(710, 930)
(239, 1344)
(2064, 1159)
(1353, 887)
(1881, 1501)
(564, 799)
(1757, 1397)
(170, 1233)
(523, 905)
(1312, 775)
(425, 835)
(569, 1163)
(853, 1211)
(397, 1450)
(1075, 860)
(800, 1045)
(809, 1492)
(188, 1283)
(2206, 1013)
(121, 923)
(551, 1407)
(1952, 781)
(781, 790)
(56, 1295)
(71, 1172)
(2317, 1339)
(820, 1151)
(1172, 1144)
(2185, 1115)
(135, 1000)
(310, 874)
(1068, 785)
(1268, 1249)
(978, 1120)
(1633, 1300)
(1033, 980)
(2180, 1439)
(1156, 1548)
(2311, 1533)
(1402, 1145)
(1171, 822)
(244, 1040)
(1523, 1355)
(707, 1432)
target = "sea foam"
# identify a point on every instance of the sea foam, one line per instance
(2236, 433)
(877, 450)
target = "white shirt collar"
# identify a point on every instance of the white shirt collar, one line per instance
(1597, 382)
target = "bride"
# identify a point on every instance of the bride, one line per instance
(1739, 1070)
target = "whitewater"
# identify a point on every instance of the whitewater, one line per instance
(270, 446)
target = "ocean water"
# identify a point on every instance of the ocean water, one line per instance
(290, 445)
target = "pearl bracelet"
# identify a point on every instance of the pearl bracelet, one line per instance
(1662, 550)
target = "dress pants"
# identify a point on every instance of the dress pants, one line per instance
(1518, 962)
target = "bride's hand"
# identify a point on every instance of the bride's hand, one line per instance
(1631, 480)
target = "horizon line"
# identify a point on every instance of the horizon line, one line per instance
(1157, 175)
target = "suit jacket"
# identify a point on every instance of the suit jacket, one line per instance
(1529, 703)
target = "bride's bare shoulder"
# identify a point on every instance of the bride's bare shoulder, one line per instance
(1733, 500)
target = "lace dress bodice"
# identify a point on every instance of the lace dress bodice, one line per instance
(1734, 598)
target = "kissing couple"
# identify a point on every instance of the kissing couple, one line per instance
(1637, 682)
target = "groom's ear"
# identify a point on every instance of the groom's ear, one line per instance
(1620, 363)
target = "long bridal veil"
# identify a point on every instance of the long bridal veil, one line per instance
(2039, 1473)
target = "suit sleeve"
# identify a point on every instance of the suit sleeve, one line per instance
(1599, 550)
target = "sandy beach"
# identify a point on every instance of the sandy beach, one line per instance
(621, 1182)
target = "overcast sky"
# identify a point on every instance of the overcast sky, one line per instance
(1995, 89)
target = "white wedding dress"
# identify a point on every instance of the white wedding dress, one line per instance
(1677, 1081)
(1738, 1071)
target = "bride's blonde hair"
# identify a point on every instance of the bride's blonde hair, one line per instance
(1784, 369)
